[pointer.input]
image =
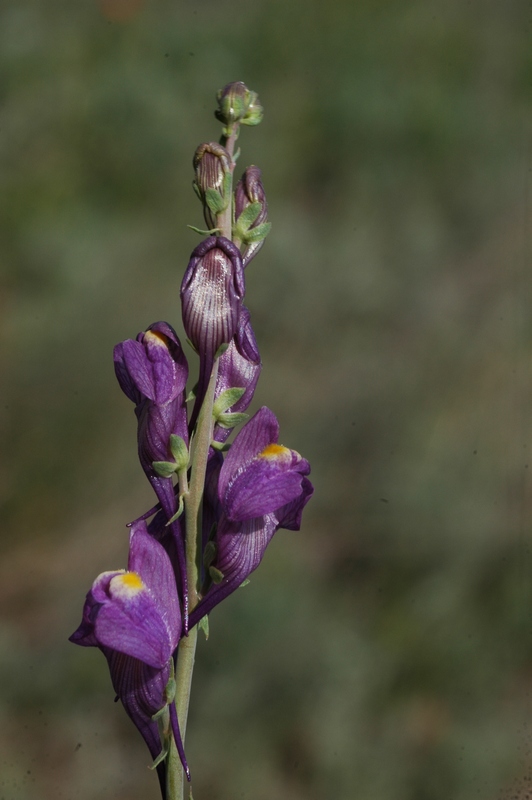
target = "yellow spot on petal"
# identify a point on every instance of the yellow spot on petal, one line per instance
(275, 451)
(127, 585)
(133, 580)
(155, 337)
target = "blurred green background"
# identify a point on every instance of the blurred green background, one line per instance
(385, 651)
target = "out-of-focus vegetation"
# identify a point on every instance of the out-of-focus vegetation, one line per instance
(385, 652)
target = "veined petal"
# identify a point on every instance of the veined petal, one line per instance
(153, 366)
(131, 622)
(149, 559)
(239, 367)
(241, 546)
(141, 689)
(289, 516)
(261, 488)
(261, 430)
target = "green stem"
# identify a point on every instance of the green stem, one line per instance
(193, 494)
(224, 221)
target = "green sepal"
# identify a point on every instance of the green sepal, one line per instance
(203, 625)
(190, 343)
(222, 447)
(244, 583)
(221, 350)
(226, 400)
(192, 394)
(215, 201)
(164, 468)
(178, 512)
(226, 187)
(257, 234)
(236, 155)
(170, 690)
(202, 232)
(209, 554)
(179, 451)
(230, 420)
(216, 575)
(248, 217)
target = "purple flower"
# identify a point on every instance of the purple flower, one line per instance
(152, 372)
(262, 487)
(134, 618)
(239, 367)
(211, 297)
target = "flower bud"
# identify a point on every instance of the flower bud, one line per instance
(237, 104)
(211, 297)
(251, 213)
(212, 165)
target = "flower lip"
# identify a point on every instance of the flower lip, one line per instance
(259, 476)
(276, 451)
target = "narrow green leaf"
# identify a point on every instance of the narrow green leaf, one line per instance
(202, 232)
(222, 447)
(178, 512)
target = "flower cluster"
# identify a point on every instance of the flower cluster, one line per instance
(224, 500)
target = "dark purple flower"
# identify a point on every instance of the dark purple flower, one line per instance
(262, 487)
(152, 371)
(211, 296)
(239, 367)
(134, 618)
(251, 213)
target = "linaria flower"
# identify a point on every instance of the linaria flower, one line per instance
(152, 371)
(134, 618)
(262, 487)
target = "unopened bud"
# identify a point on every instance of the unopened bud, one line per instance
(211, 296)
(237, 104)
(212, 165)
(251, 213)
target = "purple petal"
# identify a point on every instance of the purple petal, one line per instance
(141, 690)
(211, 295)
(138, 367)
(260, 489)
(241, 547)
(239, 367)
(289, 516)
(124, 378)
(133, 623)
(261, 430)
(149, 559)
